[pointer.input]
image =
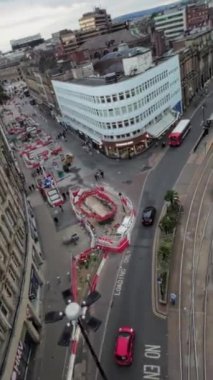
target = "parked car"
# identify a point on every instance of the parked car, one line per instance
(124, 346)
(148, 215)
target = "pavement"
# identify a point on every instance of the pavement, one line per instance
(189, 334)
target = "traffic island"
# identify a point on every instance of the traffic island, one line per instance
(86, 267)
(164, 241)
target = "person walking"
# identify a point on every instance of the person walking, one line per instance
(101, 173)
(173, 298)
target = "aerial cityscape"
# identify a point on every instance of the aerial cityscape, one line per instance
(106, 176)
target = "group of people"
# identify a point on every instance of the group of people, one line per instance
(62, 135)
(99, 174)
(37, 171)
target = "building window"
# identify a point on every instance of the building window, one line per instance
(133, 92)
(132, 121)
(4, 309)
(114, 98)
(127, 94)
(126, 123)
(102, 99)
(111, 112)
(121, 96)
(120, 124)
(3, 237)
(123, 109)
(8, 290)
(108, 98)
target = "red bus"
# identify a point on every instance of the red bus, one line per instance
(179, 132)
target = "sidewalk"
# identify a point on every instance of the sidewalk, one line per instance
(185, 187)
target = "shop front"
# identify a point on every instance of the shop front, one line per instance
(128, 148)
(24, 351)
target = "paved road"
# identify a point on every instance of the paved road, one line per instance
(133, 306)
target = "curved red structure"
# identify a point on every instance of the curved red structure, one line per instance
(102, 196)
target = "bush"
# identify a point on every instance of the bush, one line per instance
(168, 223)
(165, 250)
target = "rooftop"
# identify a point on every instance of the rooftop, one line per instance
(117, 38)
(95, 81)
(194, 34)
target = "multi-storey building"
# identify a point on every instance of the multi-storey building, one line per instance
(99, 19)
(20, 271)
(201, 43)
(172, 22)
(25, 42)
(197, 15)
(120, 116)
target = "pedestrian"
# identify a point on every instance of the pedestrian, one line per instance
(48, 284)
(96, 176)
(33, 186)
(173, 298)
(55, 219)
(61, 208)
(101, 174)
(64, 196)
(30, 188)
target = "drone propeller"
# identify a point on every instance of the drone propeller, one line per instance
(65, 337)
(53, 316)
(67, 296)
(91, 298)
(92, 322)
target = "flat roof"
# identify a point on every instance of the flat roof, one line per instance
(100, 81)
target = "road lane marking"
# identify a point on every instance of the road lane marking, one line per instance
(151, 370)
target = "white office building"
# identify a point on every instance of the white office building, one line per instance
(172, 22)
(122, 118)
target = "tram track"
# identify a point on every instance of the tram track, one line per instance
(191, 318)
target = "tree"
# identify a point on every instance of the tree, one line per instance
(167, 224)
(164, 251)
(172, 197)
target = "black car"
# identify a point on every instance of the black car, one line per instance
(148, 216)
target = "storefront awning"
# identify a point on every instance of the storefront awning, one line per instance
(162, 125)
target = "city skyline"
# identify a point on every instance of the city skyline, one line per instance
(48, 16)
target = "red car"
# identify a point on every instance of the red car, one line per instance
(124, 346)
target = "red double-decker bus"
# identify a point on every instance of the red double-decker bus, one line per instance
(179, 132)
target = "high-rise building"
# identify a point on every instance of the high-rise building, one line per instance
(172, 22)
(20, 270)
(99, 19)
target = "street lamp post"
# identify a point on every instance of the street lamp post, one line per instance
(203, 113)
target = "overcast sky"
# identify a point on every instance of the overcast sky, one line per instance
(20, 18)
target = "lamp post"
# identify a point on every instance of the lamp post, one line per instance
(73, 313)
(203, 112)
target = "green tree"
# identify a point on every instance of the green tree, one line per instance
(173, 198)
(167, 224)
(164, 251)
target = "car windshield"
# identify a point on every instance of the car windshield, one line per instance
(124, 334)
(147, 213)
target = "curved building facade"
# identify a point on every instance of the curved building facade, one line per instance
(121, 118)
